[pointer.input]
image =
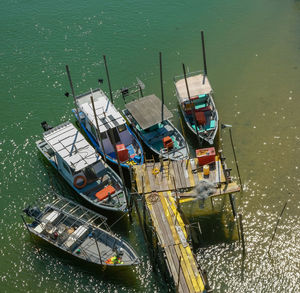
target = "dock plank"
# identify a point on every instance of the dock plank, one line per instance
(180, 251)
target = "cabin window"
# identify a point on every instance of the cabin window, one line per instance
(103, 135)
(115, 135)
(66, 167)
(93, 131)
(121, 128)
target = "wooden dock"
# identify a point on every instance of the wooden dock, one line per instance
(180, 176)
(172, 237)
(161, 183)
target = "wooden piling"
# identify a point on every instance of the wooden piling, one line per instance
(178, 277)
(203, 52)
(98, 129)
(236, 163)
(231, 198)
(73, 94)
(108, 79)
(192, 105)
(162, 88)
(242, 234)
(278, 220)
(119, 165)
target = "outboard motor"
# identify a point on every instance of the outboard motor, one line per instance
(45, 126)
(32, 212)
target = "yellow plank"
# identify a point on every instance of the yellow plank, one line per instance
(189, 252)
(183, 264)
(189, 274)
(177, 214)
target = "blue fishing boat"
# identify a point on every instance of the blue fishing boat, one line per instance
(82, 168)
(109, 129)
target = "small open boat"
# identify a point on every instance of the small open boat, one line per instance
(84, 170)
(110, 123)
(198, 99)
(80, 233)
(144, 115)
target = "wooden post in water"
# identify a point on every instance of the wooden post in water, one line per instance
(162, 89)
(231, 198)
(119, 165)
(207, 287)
(108, 79)
(73, 94)
(237, 167)
(242, 233)
(98, 129)
(192, 105)
(279, 218)
(203, 52)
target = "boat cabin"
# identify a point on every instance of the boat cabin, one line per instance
(73, 155)
(108, 117)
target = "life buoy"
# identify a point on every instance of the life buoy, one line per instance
(79, 177)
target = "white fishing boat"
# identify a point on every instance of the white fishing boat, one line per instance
(109, 123)
(82, 168)
(81, 233)
(197, 105)
(161, 136)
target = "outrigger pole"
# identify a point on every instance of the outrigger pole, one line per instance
(204, 57)
(108, 80)
(111, 135)
(162, 89)
(192, 105)
(73, 93)
(98, 129)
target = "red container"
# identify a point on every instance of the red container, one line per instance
(122, 152)
(200, 117)
(168, 142)
(103, 193)
(206, 156)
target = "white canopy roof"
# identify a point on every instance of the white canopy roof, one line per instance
(108, 116)
(70, 144)
(198, 85)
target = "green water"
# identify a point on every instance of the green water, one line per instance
(253, 57)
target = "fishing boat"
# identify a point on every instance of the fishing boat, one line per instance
(155, 129)
(80, 232)
(83, 169)
(112, 128)
(195, 97)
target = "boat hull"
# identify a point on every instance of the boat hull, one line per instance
(123, 209)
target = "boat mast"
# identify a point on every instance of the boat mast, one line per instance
(204, 57)
(98, 129)
(73, 93)
(192, 105)
(162, 89)
(108, 80)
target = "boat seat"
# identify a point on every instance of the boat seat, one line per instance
(79, 233)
